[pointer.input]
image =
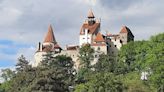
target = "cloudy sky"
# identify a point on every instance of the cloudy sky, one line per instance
(23, 23)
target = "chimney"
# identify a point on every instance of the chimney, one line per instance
(39, 46)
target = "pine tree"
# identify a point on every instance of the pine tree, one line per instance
(22, 64)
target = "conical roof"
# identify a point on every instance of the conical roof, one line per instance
(90, 14)
(50, 35)
(99, 38)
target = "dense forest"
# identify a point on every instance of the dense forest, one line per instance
(139, 67)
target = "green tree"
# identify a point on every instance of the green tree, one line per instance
(7, 74)
(55, 75)
(106, 63)
(101, 82)
(86, 55)
(22, 64)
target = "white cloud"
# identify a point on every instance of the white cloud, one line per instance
(9, 16)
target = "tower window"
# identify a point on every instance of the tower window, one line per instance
(115, 45)
(120, 41)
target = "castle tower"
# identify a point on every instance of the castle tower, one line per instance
(49, 45)
(89, 29)
(126, 35)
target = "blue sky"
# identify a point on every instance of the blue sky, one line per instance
(24, 23)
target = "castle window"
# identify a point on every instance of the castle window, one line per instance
(120, 41)
(115, 45)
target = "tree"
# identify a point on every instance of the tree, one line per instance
(132, 83)
(7, 74)
(144, 56)
(106, 63)
(86, 55)
(101, 82)
(55, 75)
(22, 64)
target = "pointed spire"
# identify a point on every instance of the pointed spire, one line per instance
(50, 36)
(99, 38)
(90, 14)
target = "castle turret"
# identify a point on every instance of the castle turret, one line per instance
(50, 43)
(126, 35)
(89, 29)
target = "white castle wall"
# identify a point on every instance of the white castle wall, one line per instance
(85, 38)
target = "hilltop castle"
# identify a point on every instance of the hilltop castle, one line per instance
(89, 34)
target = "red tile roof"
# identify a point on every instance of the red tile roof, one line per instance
(49, 48)
(91, 28)
(99, 38)
(72, 47)
(50, 35)
(56, 46)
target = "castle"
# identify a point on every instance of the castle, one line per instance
(89, 34)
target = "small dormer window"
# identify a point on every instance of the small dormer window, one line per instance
(120, 41)
(83, 30)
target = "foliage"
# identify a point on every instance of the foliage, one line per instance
(7, 74)
(106, 63)
(144, 56)
(86, 55)
(132, 83)
(56, 75)
(22, 64)
(101, 82)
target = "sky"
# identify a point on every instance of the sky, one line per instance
(24, 23)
